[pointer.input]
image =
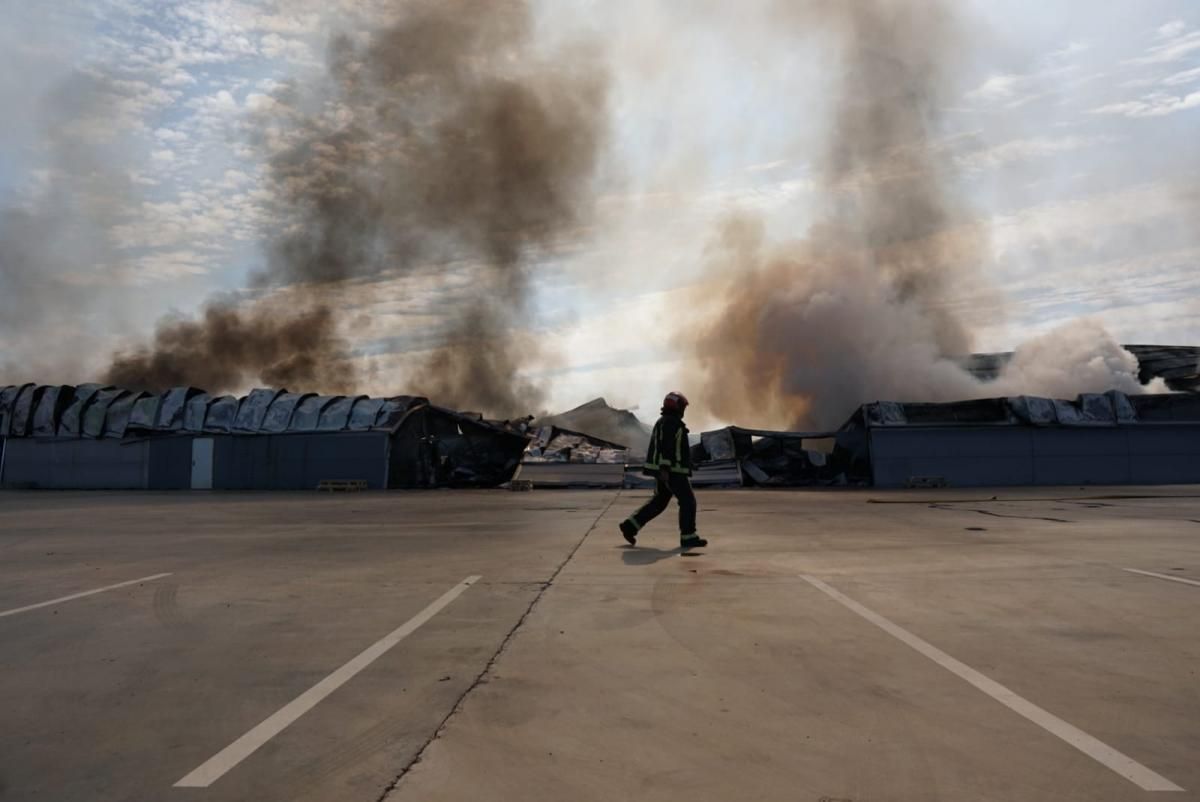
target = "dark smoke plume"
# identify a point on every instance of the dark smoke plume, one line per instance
(442, 136)
(227, 347)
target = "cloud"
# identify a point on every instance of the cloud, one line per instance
(1182, 78)
(1156, 104)
(766, 166)
(1053, 73)
(220, 102)
(997, 87)
(1145, 298)
(179, 77)
(1014, 90)
(1067, 52)
(143, 271)
(233, 179)
(209, 217)
(289, 23)
(1160, 74)
(169, 135)
(276, 46)
(1176, 42)
(1124, 249)
(1021, 150)
(1172, 29)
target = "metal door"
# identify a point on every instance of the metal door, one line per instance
(202, 463)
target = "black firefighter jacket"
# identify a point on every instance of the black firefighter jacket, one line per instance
(669, 448)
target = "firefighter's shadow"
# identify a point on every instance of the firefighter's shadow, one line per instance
(640, 555)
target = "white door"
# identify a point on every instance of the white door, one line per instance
(202, 463)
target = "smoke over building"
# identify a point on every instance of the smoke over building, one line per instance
(454, 144)
(867, 305)
(441, 136)
(56, 238)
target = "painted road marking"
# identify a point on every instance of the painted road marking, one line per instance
(1097, 750)
(216, 766)
(73, 596)
(1167, 577)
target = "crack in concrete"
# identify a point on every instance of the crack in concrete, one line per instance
(1002, 515)
(487, 669)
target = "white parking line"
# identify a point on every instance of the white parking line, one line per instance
(62, 599)
(215, 767)
(1097, 750)
(1167, 577)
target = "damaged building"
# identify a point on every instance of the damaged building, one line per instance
(94, 436)
(1097, 439)
(1106, 439)
(558, 457)
(761, 458)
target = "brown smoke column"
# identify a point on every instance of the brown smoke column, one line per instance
(861, 308)
(442, 137)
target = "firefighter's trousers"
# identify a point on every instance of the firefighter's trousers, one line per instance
(678, 486)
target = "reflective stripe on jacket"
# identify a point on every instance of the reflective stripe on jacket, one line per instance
(669, 447)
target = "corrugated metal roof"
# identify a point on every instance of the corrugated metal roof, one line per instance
(98, 411)
(1089, 409)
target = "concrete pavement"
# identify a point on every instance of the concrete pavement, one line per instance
(647, 676)
(119, 695)
(637, 674)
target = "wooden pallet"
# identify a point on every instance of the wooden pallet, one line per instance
(345, 485)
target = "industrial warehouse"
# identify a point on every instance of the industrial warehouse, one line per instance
(95, 437)
(98, 437)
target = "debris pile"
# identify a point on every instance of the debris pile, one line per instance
(552, 444)
(761, 458)
(603, 422)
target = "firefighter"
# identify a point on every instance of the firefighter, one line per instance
(669, 461)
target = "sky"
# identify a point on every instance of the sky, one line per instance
(1071, 135)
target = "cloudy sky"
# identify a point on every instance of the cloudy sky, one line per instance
(1072, 138)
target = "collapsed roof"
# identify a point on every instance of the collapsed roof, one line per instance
(759, 457)
(99, 411)
(1089, 409)
(754, 457)
(603, 422)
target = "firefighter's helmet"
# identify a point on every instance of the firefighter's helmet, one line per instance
(676, 401)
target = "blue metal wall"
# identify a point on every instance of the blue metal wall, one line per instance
(75, 464)
(299, 461)
(252, 462)
(1007, 455)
